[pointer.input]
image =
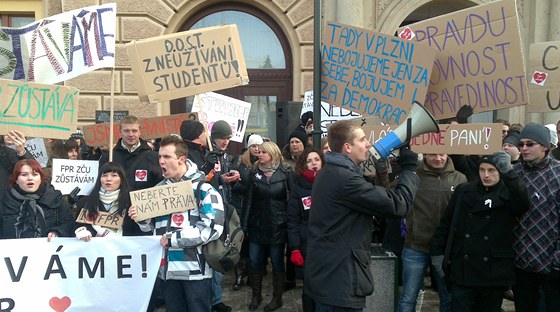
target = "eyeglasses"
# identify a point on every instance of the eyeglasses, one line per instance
(528, 144)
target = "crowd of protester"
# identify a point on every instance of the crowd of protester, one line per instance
(485, 226)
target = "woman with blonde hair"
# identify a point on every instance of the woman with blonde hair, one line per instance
(265, 222)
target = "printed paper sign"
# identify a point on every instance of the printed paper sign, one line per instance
(187, 63)
(60, 47)
(480, 60)
(150, 128)
(329, 113)
(372, 73)
(105, 115)
(163, 200)
(37, 275)
(220, 107)
(38, 110)
(67, 174)
(543, 71)
(36, 147)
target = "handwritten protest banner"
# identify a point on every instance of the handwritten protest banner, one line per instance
(150, 128)
(60, 47)
(187, 63)
(468, 139)
(480, 60)
(105, 115)
(164, 199)
(105, 219)
(220, 107)
(36, 275)
(329, 113)
(373, 74)
(38, 110)
(36, 147)
(543, 77)
(67, 174)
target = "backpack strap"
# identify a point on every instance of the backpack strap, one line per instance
(227, 211)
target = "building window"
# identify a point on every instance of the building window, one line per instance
(16, 20)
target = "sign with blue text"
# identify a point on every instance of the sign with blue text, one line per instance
(372, 73)
(38, 110)
(479, 61)
(60, 47)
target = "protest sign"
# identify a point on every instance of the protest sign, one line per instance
(60, 47)
(36, 147)
(220, 107)
(468, 139)
(164, 199)
(329, 113)
(543, 77)
(105, 115)
(37, 275)
(38, 110)
(150, 128)
(67, 174)
(102, 218)
(187, 63)
(372, 73)
(480, 60)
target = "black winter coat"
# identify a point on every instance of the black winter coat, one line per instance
(239, 189)
(340, 225)
(481, 252)
(265, 214)
(298, 214)
(58, 216)
(141, 166)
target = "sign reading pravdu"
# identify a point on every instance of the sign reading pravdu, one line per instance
(163, 200)
(187, 63)
(38, 110)
(372, 73)
(480, 61)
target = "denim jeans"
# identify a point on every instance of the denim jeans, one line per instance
(330, 308)
(257, 259)
(188, 296)
(414, 265)
(216, 287)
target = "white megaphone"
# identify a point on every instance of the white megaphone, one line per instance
(419, 121)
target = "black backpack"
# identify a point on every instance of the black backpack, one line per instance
(223, 253)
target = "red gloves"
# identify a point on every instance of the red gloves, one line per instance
(296, 258)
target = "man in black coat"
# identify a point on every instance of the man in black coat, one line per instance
(337, 274)
(139, 161)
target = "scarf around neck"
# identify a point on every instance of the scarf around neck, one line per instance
(30, 222)
(268, 170)
(109, 199)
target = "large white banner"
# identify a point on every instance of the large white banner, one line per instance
(329, 113)
(67, 174)
(220, 107)
(67, 274)
(60, 47)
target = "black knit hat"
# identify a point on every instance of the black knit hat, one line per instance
(221, 130)
(191, 129)
(300, 135)
(512, 138)
(537, 133)
(305, 117)
(489, 159)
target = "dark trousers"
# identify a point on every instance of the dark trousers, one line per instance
(526, 291)
(476, 299)
(330, 308)
(188, 296)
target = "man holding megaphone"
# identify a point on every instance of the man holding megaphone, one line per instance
(340, 224)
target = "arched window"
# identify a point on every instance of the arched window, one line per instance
(268, 58)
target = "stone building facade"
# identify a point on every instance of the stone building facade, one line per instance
(139, 19)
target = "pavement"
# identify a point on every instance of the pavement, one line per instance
(239, 299)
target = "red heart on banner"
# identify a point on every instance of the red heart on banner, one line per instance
(60, 304)
(178, 219)
(539, 77)
(141, 174)
(307, 202)
(406, 34)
